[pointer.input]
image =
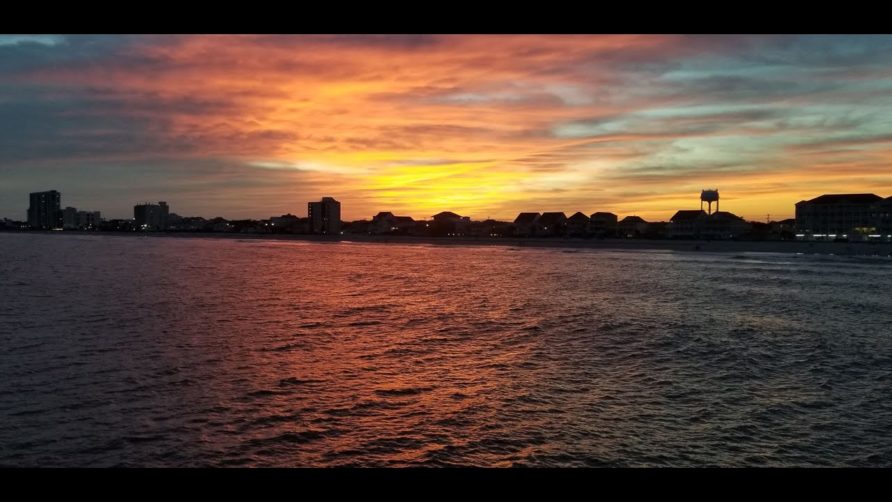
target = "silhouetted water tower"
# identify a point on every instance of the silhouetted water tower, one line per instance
(710, 196)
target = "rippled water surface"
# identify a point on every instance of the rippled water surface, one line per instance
(144, 351)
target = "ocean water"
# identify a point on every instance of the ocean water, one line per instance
(155, 351)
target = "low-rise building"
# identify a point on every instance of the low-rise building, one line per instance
(724, 225)
(357, 227)
(602, 224)
(837, 216)
(388, 223)
(490, 228)
(450, 224)
(697, 224)
(69, 218)
(686, 224)
(523, 224)
(550, 224)
(578, 225)
(632, 226)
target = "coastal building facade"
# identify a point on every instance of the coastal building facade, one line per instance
(69, 218)
(45, 210)
(840, 216)
(686, 224)
(550, 224)
(698, 224)
(388, 223)
(523, 224)
(325, 216)
(151, 217)
(450, 224)
(602, 224)
(632, 226)
(578, 225)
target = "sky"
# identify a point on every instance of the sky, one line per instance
(246, 126)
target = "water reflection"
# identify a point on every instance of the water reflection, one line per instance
(165, 351)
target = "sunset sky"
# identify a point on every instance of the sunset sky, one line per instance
(483, 125)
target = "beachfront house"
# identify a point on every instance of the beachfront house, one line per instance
(449, 224)
(578, 225)
(550, 224)
(686, 224)
(602, 224)
(724, 225)
(489, 228)
(697, 224)
(523, 224)
(386, 223)
(632, 226)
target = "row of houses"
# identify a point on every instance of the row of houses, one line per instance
(685, 224)
(444, 224)
(450, 224)
(551, 224)
(690, 224)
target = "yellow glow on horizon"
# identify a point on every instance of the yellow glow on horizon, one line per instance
(489, 125)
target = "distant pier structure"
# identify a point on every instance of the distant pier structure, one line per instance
(709, 196)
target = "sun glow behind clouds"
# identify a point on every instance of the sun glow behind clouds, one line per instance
(480, 125)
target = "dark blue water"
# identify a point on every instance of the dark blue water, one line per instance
(134, 351)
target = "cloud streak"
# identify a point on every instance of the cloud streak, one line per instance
(482, 125)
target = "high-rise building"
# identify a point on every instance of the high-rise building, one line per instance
(151, 216)
(45, 210)
(324, 216)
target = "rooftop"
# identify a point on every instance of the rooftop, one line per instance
(526, 218)
(446, 214)
(633, 219)
(725, 215)
(688, 214)
(550, 218)
(845, 198)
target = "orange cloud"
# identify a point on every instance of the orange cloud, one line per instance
(481, 125)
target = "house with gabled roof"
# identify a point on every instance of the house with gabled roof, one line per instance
(686, 224)
(550, 224)
(578, 225)
(602, 224)
(523, 224)
(632, 226)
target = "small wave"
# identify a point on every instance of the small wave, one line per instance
(266, 393)
(363, 323)
(291, 437)
(284, 348)
(405, 391)
(285, 382)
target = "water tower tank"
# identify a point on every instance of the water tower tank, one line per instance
(709, 196)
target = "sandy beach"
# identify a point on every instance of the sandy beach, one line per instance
(694, 246)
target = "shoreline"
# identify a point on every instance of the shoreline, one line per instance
(703, 246)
